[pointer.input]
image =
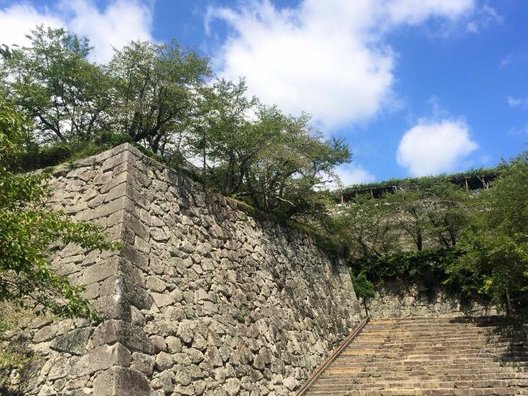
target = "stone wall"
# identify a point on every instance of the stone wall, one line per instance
(400, 299)
(201, 299)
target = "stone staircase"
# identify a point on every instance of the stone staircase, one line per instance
(430, 356)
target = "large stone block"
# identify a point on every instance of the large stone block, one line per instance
(119, 331)
(101, 271)
(119, 381)
(127, 287)
(112, 307)
(102, 358)
(74, 342)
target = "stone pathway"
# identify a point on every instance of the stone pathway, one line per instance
(430, 356)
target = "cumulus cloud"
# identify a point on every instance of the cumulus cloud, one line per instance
(431, 148)
(351, 174)
(328, 58)
(18, 20)
(112, 27)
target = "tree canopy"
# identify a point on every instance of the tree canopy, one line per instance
(495, 244)
(166, 99)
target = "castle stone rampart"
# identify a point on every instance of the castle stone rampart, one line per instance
(201, 299)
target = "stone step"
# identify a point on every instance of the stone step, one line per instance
(421, 383)
(408, 360)
(426, 356)
(420, 392)
(440, 344)
(433, 353)
(467, 374)
(437, 327)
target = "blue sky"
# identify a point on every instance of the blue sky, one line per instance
(416, 87)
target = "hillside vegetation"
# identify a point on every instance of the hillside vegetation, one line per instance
(435, 231)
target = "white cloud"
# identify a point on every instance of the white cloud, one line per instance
(18, 20)
(351, 174)
(484, 17)
(431, 148)
(114, 26)
(517, 102)
(418, 11)
(328, 58)
(120, 22)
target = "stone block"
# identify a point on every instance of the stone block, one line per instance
(114, 180)
(232, 386)
(119, 381)
(116, 192)
(159, 235)
(108, 208)
(161, 299)
(164, 361)
(102, 358)
(127, 287)
(141, 245)
(137, 258)
(73, 342)
(137, 226)
(100, 271)
(140, 177)
(154, 283)
(45, 334)
(159, 343)
(112, 307)
(131, 336)
(111, 162)
(174, 344)
(139, 199)
(143, 363)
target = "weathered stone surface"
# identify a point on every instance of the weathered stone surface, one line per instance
(102, 358)
(201, 299)
(126, 333)
(164, 361)
(174, 344)
(232, 386)
(154, 283)
(400, 299)
(45, 334)
(73, 342)
(143, 363)
(159, 343)
(119, 381)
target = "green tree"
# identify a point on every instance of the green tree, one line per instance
(155, 89)
(221, 135)
(286, 161)
(28, 229)
(431, 211)
(56, 87)
(366, 226)
(495, 244)
(257, 153)
(364, 289)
